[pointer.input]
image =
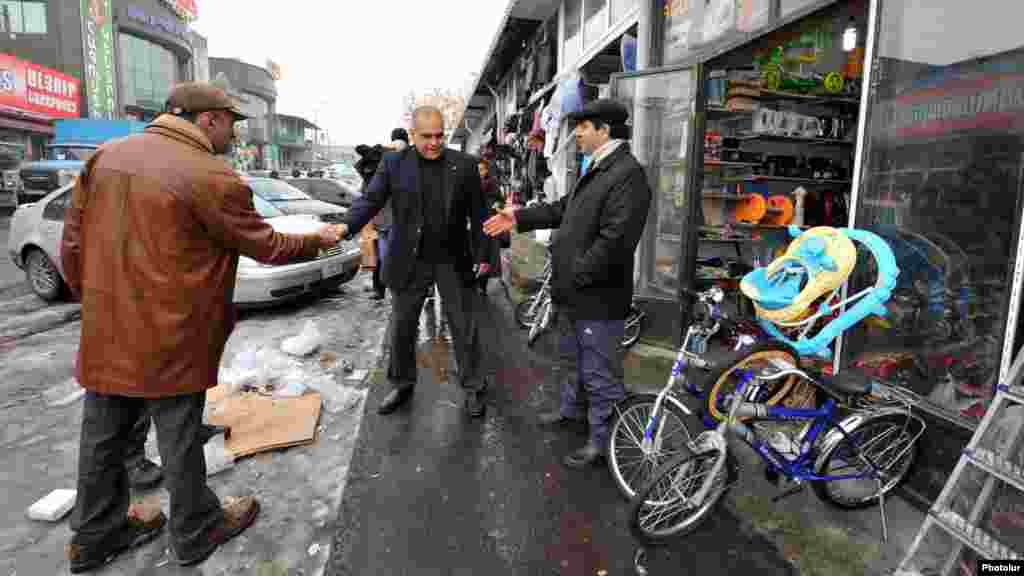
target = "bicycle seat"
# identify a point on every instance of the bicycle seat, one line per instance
(817, 262)
(848, 382)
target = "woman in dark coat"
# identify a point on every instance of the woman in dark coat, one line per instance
(494, 201)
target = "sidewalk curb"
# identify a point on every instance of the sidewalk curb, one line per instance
(40, 321)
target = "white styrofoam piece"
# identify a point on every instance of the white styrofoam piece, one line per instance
(53, 506)
(218, 458)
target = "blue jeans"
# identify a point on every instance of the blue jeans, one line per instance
(590, 361)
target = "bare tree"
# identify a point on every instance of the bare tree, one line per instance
(450, 104)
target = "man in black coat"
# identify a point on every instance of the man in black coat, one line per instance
(599, 225)
(434, 193)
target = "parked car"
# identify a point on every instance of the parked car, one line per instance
(291, 200)
(36, 230)
(325, 190)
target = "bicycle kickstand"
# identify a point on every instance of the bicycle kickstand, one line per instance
(881, 508)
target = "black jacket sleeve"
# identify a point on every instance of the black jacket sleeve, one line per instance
(477, 213)
(374, 197)
(541, 217)
(622, 218)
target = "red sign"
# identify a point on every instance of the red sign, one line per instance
(188, 10)
(33, 88)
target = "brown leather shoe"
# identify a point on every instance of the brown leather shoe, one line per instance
(141, 529)
(239, 514)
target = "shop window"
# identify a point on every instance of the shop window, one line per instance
(23, 16)
(662, 105)
(148, 72)
(573, 24)
(595, 21)
(943, 158)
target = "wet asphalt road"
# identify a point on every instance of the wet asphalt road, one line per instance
(432, 492)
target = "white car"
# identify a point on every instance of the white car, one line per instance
(35, 237)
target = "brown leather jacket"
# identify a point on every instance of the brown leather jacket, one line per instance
(151, 243)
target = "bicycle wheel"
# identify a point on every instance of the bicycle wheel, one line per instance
(725, 376)
(540, 321)
(525, 311)
(632, 466)
(664, 507)
(888, 440)
(634, 325)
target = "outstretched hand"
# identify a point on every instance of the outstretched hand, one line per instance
(501, 222)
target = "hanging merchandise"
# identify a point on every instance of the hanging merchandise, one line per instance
(551, 121)
(627, 50)
(572, 94)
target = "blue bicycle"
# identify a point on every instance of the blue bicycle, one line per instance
(851, 462)
(853, 439)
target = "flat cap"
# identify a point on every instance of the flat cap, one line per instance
(610, 112)
(196, 97)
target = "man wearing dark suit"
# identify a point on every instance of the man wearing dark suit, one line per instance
(434, 193)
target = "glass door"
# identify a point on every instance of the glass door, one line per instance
(662, 106)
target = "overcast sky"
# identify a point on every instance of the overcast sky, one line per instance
(354, 59)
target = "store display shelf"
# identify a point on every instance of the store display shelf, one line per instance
(997, 466)
(815, 98)
(976, 538)
(750, 136)
(730, 164)
(722, 195)
(722, 111)
(766, 178)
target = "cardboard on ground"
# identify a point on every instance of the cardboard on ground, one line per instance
(261, 423)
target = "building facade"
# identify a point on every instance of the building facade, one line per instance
(256, 91)
(920, 142)
(298, 139)
(114, 59)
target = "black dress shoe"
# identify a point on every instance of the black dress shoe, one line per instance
(393, 400)
(584, 457)
(475, 406)
(144, 475)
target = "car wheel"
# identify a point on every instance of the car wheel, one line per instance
(42, 276)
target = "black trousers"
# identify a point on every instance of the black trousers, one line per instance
(135, 447)
(103, 494)
(406, 306)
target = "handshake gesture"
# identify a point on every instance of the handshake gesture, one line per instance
(331, 234)
(501, 222)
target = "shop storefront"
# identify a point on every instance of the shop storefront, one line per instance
(755, 117)
(31, 96)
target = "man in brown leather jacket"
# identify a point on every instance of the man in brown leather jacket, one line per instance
(151, 245)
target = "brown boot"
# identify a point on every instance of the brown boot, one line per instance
(142, 527)
(239, 514)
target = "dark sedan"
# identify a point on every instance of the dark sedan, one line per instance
(291, 200)
(325, 189)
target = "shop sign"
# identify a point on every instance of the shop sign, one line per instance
(33, 88)
(187, 10)
(98, 38)
(994, 101)
(167, 24)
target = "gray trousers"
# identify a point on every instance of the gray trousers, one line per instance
(406, 307)
(103, 493)
(590, 359)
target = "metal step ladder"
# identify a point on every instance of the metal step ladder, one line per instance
(989, 473)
